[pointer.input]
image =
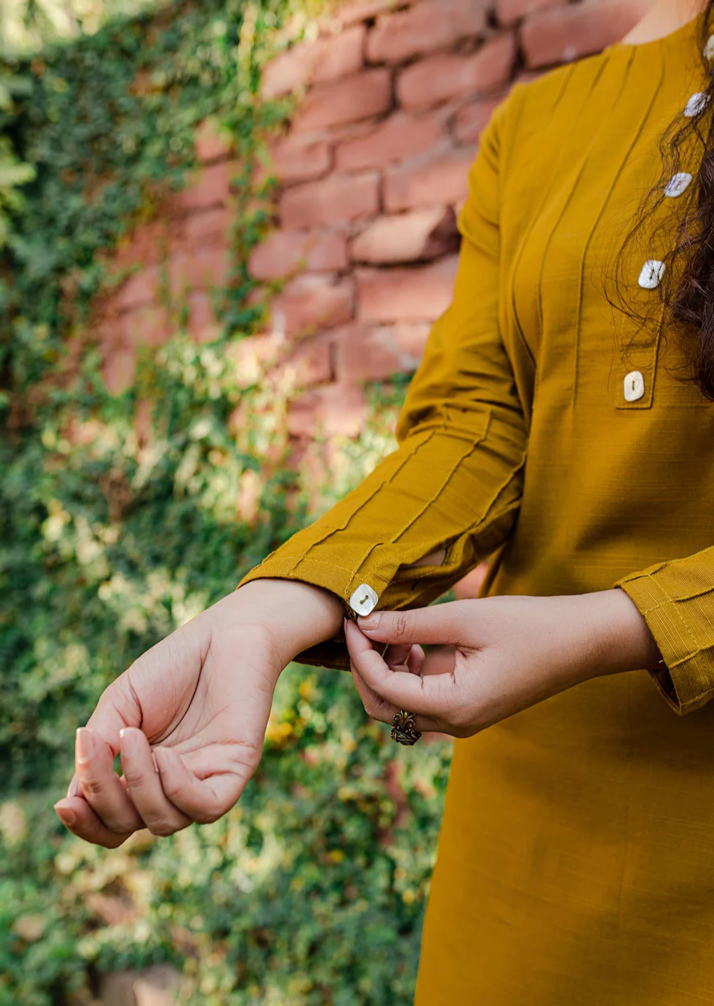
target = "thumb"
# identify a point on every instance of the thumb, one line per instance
(117, 708)
(442, 623)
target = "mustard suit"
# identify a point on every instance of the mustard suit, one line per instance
(575, 864)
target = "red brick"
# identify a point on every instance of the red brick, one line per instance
(310, 363)
(203, 325)
(339, 197)
(441, 180)
(289, 71)
(433, 24)
(212, 143)
(308, 303)
(326, 58)
(143, 246)
(421, 293)
(140, 288)
(119, 369)
(149, 326)
(335, 410)
(400, 136)
(341, 55)
(556, 36)
(470, 120)
(210, 186)
(208, 225)
(348, 100)
(365, 352)
(407, 237)
(297, 160)
(361, 10)
(110, 334)
(285, 252)
(207, 267)
(510, 11)
(447, 76)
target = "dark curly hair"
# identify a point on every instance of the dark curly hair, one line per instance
(687, 289)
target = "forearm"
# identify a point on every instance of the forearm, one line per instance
(615, 637)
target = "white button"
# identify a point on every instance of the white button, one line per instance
(634, 386)
(695, 105)
(709, 48)
(677, 184)
(651, 275)
(363, 600)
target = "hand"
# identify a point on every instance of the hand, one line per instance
(189, 717)
(509, 652)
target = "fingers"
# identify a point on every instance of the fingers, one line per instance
(202, 800)
(77, 815)
(100, 785)
(118, 707)
(379, 709)
(143, 784)
(427, 696)
(416, 660)
(440, 623)
(397, 654)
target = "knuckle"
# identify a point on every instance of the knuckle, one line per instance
(91, 786)
(171, 787)
(161, 828)
(370, 707)
(207, 816)
(134, 779)
(458, 717)
(122, 825)
(401, 625)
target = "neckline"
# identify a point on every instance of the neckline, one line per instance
(657, 44)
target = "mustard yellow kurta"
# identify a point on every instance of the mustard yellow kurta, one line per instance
(575, 865)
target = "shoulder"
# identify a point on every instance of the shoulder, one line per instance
(541, 105)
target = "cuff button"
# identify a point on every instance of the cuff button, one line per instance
(364, 600)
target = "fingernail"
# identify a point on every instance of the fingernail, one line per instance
(73, 786)
(128, 742)
(66, 815)
(369, 621)
(84, 745)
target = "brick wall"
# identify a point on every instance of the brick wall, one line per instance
(372, 172)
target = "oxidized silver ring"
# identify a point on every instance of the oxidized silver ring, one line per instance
(404, 729)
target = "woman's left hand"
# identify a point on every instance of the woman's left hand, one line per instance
(509, 652)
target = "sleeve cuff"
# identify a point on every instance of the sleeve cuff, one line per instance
(686, 677)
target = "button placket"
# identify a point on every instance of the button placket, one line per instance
(636, 364)
(634, 386)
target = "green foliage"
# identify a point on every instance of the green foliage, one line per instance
(13, 173)
(114, 531)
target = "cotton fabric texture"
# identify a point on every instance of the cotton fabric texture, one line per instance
(575, 864)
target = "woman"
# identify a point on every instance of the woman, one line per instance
(557, 434)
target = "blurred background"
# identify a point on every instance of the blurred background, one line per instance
(225, 229)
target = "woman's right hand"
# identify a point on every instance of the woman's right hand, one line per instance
(189, 716)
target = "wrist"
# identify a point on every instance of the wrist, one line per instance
(297, 615)
(617, 636)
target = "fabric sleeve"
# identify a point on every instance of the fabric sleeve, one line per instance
(455, 481)
(676, 599)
